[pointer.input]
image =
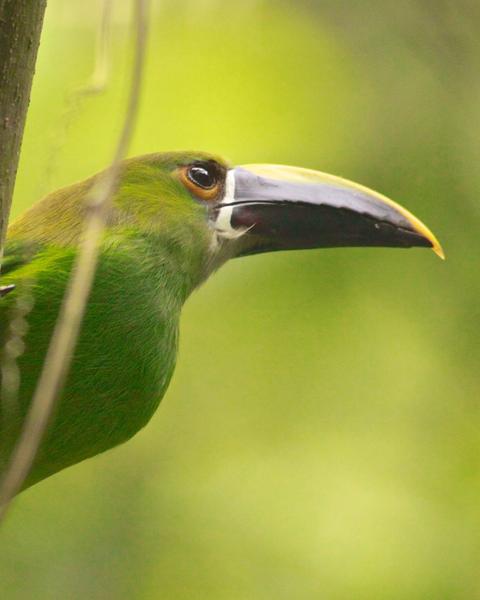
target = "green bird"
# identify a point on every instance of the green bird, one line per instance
(175, 218)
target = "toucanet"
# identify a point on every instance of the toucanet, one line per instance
(175, 218)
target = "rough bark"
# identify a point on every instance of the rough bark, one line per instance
(20, 28)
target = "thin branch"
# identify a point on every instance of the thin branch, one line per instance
(18, 322)
(9, 367)
(67, 328)
(75, 100)
(99, 78)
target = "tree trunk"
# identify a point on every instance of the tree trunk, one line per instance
(20, 28)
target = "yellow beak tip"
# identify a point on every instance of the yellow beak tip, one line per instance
(438, 250)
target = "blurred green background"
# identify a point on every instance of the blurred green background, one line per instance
(321, 437)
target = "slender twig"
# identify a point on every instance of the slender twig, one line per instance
(99, 78)
(65, 334)
(9, 368)
(75, 100)
(18, 324)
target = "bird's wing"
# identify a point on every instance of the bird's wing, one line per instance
(17, 253)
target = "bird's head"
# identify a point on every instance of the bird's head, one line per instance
(236, 211)
(201, 211)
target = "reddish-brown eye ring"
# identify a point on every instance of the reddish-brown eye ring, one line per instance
(202, 179)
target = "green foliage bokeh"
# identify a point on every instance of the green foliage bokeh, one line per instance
(321, 437)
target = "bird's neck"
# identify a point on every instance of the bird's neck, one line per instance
(175, 264)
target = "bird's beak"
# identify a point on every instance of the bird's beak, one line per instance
(273, 207)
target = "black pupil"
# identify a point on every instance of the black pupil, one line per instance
(202, 176)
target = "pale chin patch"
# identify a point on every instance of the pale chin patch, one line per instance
(223, 223)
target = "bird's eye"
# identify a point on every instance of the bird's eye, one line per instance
(203, 179)
(203, 176)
